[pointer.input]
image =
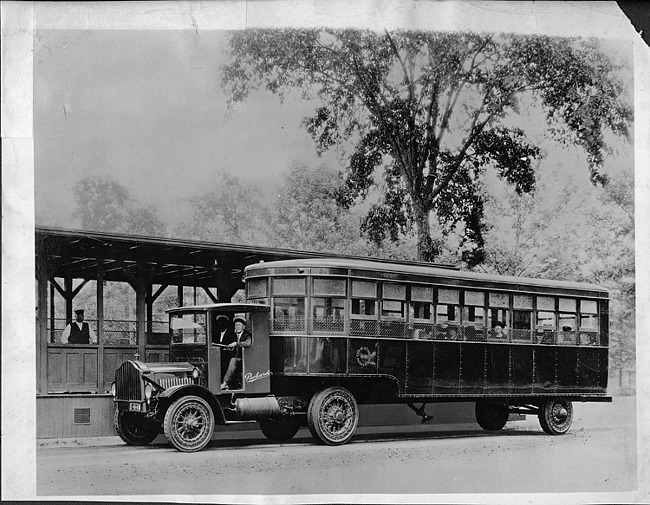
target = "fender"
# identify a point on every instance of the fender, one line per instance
(170, 395)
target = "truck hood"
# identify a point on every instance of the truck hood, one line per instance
(171, 368)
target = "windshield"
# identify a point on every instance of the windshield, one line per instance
(188, 328)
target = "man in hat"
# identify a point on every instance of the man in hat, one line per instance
(223, 333)
(78, 331)
(243, 338)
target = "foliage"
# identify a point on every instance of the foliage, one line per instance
(579, 235)
(232, 213)
(305, 214)
(431, 110)
(103, 204)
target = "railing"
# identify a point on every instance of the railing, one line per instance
(430, 331)
(116, 331)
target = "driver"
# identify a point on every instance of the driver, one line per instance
(242, 338)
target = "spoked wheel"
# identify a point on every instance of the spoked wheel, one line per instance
(333, 416)
(189, 423)
(491, 416)
(279, 431)
(134, 428)
(555, 416)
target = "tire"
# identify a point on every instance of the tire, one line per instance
(491, 416)
(134, 428)
(555, 416)
(189, 423)
(279, 431)
(333, 416)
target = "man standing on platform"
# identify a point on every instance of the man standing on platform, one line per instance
(78, 331)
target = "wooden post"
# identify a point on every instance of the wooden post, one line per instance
(149, 304)
(100, 324)
(68, 298)
(41, 324)
(141, 309)
(50, 337)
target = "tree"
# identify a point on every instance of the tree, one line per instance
(231, 213)
(431, 109)
(306, 215)
(103, 204)
(582, 235)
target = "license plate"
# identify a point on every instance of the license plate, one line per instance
(134, 407)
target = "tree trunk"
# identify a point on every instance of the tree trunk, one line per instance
(424, 250)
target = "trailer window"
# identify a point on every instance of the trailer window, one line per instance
(545, 321)
(257, 288)
(474, 311)
(289, 286)
(328, 314)
(589, 322)
(447, 313)
(588, 315)
(364, 299)
(288, 314)
(498, 316)
(567, 305)
(333, 287)
(421, 304)
(447, 308)
(499, 300)
(393, 303)
(521, 325)
(545, 303)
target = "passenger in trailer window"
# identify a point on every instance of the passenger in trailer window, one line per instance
(453, 333)
(499, 331)
(242, 338)
(78, 331)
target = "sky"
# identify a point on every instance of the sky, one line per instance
(146, 108)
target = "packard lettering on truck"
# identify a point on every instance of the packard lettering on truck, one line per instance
(318, 337)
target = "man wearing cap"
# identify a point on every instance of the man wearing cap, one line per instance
(78, 331)
(223, 334)
(243, 338)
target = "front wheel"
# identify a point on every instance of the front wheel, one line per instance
(491, 416)
(555, 416)
(279, 431)
(189, 423)
(333, 416)
(134, 428)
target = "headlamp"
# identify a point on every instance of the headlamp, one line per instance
(148, 391)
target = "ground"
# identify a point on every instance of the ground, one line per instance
(597, 455)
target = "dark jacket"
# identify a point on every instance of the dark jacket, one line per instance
(245, 340)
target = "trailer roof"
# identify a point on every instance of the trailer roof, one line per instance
(422, 269)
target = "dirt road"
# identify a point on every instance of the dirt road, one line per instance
(597, 455)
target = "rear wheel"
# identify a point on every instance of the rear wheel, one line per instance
(491, 416)
(279, 431)
(189, 423)
(134, 428)
(556, 416)
(333, 416)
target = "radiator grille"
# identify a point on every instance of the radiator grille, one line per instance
(127, 383)
(175, 381)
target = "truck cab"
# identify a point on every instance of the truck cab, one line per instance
(186, 397)
(203, 336)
